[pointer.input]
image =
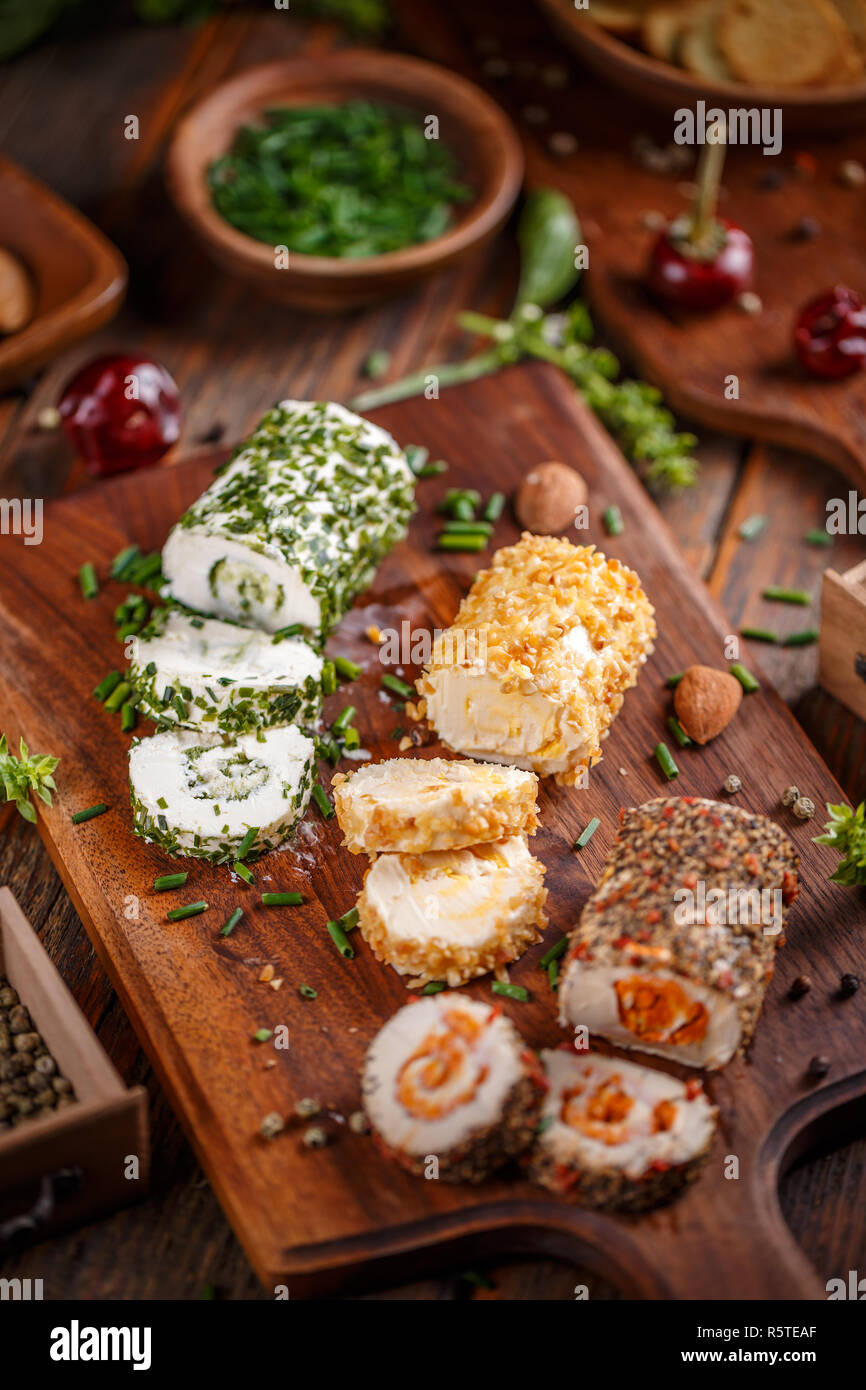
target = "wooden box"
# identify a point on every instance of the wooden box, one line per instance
(842, 664)
(71, 1165)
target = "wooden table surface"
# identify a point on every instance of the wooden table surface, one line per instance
(232, 357)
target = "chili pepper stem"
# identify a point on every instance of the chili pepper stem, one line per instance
(447, 374)
(709, 179)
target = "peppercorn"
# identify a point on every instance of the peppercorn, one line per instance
(819, 1066)
(26, 1042)
(732, 783)
(848, 985)
(272, 1125)
(5, 1038)
(801, 986)
(790, 795)
(19, 1020)
(61, 1085)
(45, 1065)
(315, 1137)
(804, 808)
(8, 997)
(806, 229)
(307, 1108)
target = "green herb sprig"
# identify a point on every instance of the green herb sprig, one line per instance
(26, 774)
(846, 833)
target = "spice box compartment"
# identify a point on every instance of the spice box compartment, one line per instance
(69, 1165)
(842, 656)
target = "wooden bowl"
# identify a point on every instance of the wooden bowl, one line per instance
(79, 277)
(668, 87)
(473, 125)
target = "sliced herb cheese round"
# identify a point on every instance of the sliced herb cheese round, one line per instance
(202, 673)
(201, 794)
(295, 524)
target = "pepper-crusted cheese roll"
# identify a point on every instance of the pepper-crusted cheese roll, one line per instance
(453, 914)
(613, 1134)
(295, 524)
(201, 794)
(205, 674)
(449, 1079)
(413, 805)
(676, 946)
(537, 662)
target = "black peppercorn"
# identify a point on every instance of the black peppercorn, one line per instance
(819, 1066)
(848, 985)
(801, 986)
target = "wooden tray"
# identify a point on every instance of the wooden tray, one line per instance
(316, 1220)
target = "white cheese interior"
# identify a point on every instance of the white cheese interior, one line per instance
(214, 574)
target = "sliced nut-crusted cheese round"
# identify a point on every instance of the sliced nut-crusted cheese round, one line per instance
(537, 662)
(453, 914)
(413, 805)
(295, 525)
(199, 794)
(205, 674)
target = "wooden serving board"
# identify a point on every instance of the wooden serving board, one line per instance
(316, 1220)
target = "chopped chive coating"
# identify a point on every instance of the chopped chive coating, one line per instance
(759, 634)
(433, 987)
(745, 677)
(678, 731)
(307, 992)
(166, 881)
(467, 528)
(247, 842)
(127, 717)
(343, 719)
(81, 816)
(281, 899)
(752, 527)
(243, 872)
(88, 581)
(398, 687)
(105, 687)
(673, 681)
(341, 941)
(586, 835)
(177, 914)
(613, 522)
(510, 991)
(329, 678)
(229, 926)
(263, 1035)
(124, 561)
(665, 761)
(467, 543)
(801, 639)
(323, 801)
(818, 537)
(293, 630)
(346, 668)
(555, 952)
(778, 594)
(493, 509)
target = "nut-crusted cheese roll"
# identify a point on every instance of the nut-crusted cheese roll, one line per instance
(453, 914)
(537, 662)
(676, 946)
(295, 524)
(413, 805)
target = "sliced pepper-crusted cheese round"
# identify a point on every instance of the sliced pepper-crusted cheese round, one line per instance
(205, 674)
(199, 794)
(414, 805)
(295, 524)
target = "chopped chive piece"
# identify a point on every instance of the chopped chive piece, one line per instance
(468, 543)
(432, 470)
(398, 687)
(510, 991)
(329, 678)
(118, 697)
(586, 835)
(745, 677)
(323, 801)
(247, 842)
(177, 914)
(349, 920)
(343, 719)
(168, 695)
(673, 681)
(467, 528)
(179, 707)
(678, 731)
(665, 761)
(243, 872)
(166, 881)
(759, 634)
(416, 456)
(554, 953)
(398, 731)
(781, 595)
(88, 581)
(553, 974)
(376, 366)
(123, 561)
(146, 569)
(281, 899)
(127, 718)
(346, 668)
(80, 816)
(801, 639)
(293, 630)
(613, 522)
(752, 527)
(328, 748)
(307, 992)
(433, 987)
(128, 630)
(462, 509)
(263, 1035)
(817, 537)
(495, 504)
(352, 739)
(341, 941)
(162, 804)
(105, 687)
(229, 926)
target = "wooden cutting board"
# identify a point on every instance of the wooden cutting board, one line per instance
(316, 1220)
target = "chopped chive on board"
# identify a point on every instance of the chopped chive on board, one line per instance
(556, 951)
(434, 987)
(469, 543)
(664, 758)
(341, 940)
(322, 800)
(247, 842)
(759, 634)
(88, 581)
(398, 687)
(673, 681)
(243, 872)
(745, 677)
(818, 537)
(678, 731)
(107, 685)
(281, 899)
(167, 881)
(229, 926)
(776, 593)
(177, 914)
(801, 639)
(509, 991)
(612, 519)
(90, 813)
(586, 835)
(752, 527)
(349, 670)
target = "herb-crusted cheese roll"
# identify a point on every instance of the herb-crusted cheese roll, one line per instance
(201, 794)
(676, 946)
(537, 662)
(413, 805)
(453, 914)
(448, 1079)
(205, 674)
(295, 524)
(616, 1135)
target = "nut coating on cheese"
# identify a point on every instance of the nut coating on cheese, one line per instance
(413, 805)
(453, 914)
(537, 662)
(295, 524)
(199, 794)
(202, 673)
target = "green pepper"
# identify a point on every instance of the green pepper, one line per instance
(547, 233)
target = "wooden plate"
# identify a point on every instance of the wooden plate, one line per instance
(319, 1219)
(80, 277)
(668, 87)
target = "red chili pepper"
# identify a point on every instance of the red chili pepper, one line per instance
(679, 275)
(830, 335)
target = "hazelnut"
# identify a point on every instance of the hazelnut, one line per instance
(548, 498)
